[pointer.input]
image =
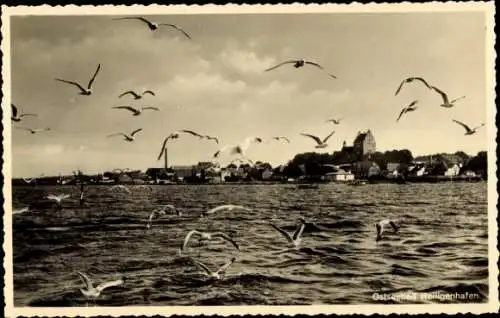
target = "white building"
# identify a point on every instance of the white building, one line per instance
(340, 175)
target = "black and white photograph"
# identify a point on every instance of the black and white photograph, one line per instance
(223, 156)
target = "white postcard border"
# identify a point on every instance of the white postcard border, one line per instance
(487, 7)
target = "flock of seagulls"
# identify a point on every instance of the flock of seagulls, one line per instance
(446, 102)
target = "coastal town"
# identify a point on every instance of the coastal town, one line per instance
(354, 164)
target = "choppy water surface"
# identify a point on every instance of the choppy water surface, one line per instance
(441, 246)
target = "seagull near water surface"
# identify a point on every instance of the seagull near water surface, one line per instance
(410, 108)
(446, 102)
(226, 207)
(136, 111)
(320, 143)
(409, 80)
(294, 239)
(380, 228)
(161, 211)
(17, 116)
(126, 137)
(217, 274)
(137, 96)
(468, 130)
(93, 292)
(300, 63)
(83, 91)
(205, 237)
(153, 26)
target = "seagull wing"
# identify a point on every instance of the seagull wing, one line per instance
(93, 77)
(178, 29)
(283, 232)
(13, 110)
(213, 138)
(148, 92)
(192, 133)
(24, 115)
(188, 237)
(152, 108)
(320, 67)
(393, 226)
(129, 92)
(467, 128)
(328, 137)
(298, 232)
(401, 113)
(227, 238)
(136, 18)
(117, 134)
(400, 86)
(280, 64)
(224, 267)
(64, 196)
(423, 81)
(135, 132)
(86, 280)
(130, 108)
(72, 83)
(478, 127)
(105, 285)
(440, 92)
(202, 267)
(52, 197)
(216, 209)
(318, 141)
(163, 147)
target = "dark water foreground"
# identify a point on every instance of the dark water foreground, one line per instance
(440, 251)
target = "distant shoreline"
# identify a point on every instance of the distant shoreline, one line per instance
(357, 182)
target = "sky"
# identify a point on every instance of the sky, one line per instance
(215, 84)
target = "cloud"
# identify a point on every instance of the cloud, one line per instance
(245, 60)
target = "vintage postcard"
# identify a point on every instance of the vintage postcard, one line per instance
(268, 159)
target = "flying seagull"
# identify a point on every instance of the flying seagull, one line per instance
(294, 239)
(58, 198)
(380, 228)
(410, 108)
(335, 121)
(137, 96)
(34, 131)
(83, 91)
(409, 80)
(446, 102)
(128, 138)
(217, 274)
(93, 292)
(135, 111)
(205, 236)
(175, 135)
(239, 149)
(154, 26)
(16, 116)
(320, 143)
(300, 63)
(278, 138)
(468, 130)
(160, 212)
(227, 207)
